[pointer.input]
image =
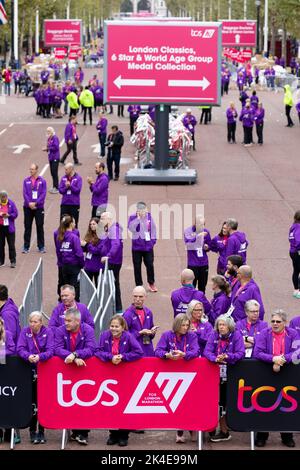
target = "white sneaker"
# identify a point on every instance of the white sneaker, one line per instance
(180, 439)
(296, 292)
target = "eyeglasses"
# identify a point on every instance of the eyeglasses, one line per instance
(198, 310)
(253, 311)
(276, 321)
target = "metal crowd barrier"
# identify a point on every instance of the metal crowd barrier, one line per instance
(33, 297)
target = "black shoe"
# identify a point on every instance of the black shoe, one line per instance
(260, 442)
(116, 178)
(73, 437)
(220, 436)
(138, 431)
(78, 163)
(36, 439)
(62, 162)
(7, 435)
(111, 441)
(32, 436)
(42, 437)
(289, 442)
(82, 440)
(123, 442)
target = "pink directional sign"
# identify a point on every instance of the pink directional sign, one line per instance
(238, 33)
(151, 62)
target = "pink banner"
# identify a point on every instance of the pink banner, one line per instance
(62, 32)
(147, 394)
(238, 33)
(60, 52)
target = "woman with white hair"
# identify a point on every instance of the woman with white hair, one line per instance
(53, 157)
(224, 346)
(251, 326)
(199, 323)
(36, 344)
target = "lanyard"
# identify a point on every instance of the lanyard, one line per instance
(282, 344)
(176, 343)
(223, 345)
(35, 342)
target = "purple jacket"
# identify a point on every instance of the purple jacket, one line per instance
(34, 193)
(196, 254)
(9, 312)
(112, 244)
(10, 347)
(69, 250)
(203, 332)
(99, 190)
(218, 245)
(254, 330)
(102, 126)
(263, 349)
(55, 233)
(180, 299)
(240, 296)
(92, 261)
(298, 107)
(231, 115)
(134, 110)
(143, 232)
(237, 244)
(71, 195)
(219, 305)
(53, 148)
(134, 326)
(294, 238)
(41, 344)
(259, 116)
(247, 117)
(58, 315)
(254, 101)
(129, 347)
(295, 325)
(235, 348)
(69, 135)
(85, 342)
(189, 121)
(44, 76)
(12, 215)
(188, 343)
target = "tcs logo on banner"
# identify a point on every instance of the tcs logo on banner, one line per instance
(173, 387)
(257, 394)
(197, 33)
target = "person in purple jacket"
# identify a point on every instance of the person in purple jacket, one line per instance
(278, 345)
(91, 245)
(221, 300)
(35, 344)
(9, 312)
(134, 112)
(259, 122)
(140, 323)
(224, 346)
(180, 298)
(189, 121)
(70, 187)
(7, 345)
(53, 157)
(247, 118)
(99, 189)
(45, 76)
(254, 100)
(199, 323)
(67, 296)
(234, 262)
(8, 214)
(218, 245)
(245, 289)
(143, 230)
(251, 326)
(178, 344)
(294, 239)
(74, 342)
(112, 251)
(69, 253)
(71, 139)
(117, 345)
(197, 240)
(237, 242)
(231, 114)
(34, 194)
(295, 325)
(101, 127)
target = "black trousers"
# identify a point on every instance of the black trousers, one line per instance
(296, 269)
(73, 112)
(54, 172)
(120, 110)
(11, 238)
(29, 216)
(102, 140)
(205, 115)
(247, 135)
(132, 121)
(73, 211)
(116, 268)
(288, 114)
(259, 132)
(70, 148)
(94, 210)
(226, 86)
(34, 419)
(93, 276)
(119, 434)
(114, 156)
(70, 274)
(201, 276)
(285, 436)
(90, 114)
(148, 258)
(59, 281)
(231, 128)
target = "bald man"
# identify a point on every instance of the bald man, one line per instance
(70, 187)
(180, 298)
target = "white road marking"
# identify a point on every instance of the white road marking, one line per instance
(20, 148)
(44, 169)
(2, 132)
(11, 124)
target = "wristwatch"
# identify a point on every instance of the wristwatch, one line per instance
(246, 339)
(75, 355)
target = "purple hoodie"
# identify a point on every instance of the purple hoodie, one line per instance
(92, 261)
(247, 117)
(41, 343)
(239, 297)
(237, 244)
(69, 250)
(189, 121)
(85, 342)
(10, 347)
(235, 348)
(254, 330)
(263, 349)
(99, 190)
(294, 238)
(53, 148)
(71, 195)
(298, 107)
(69, 135)
(295, 325)
(143, 232)
(259, 116)
(196, 254)
(180, 299)
(9, 312)
(231, 115)
(203, 332)
(55, 233)
(12, 215)
(34, 193)
(112, 244)
(218, 245)
(58, 315)
(187, 343)
(219, 305)
(134, 110)
(134, 326)
(129, 347)
(102, 126)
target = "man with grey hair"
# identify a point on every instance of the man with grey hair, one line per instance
(70, 187)
(75, 342)
(237, 242)
(8, 214)
(251, 326)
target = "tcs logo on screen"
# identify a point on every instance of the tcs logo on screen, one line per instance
(198, 33)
